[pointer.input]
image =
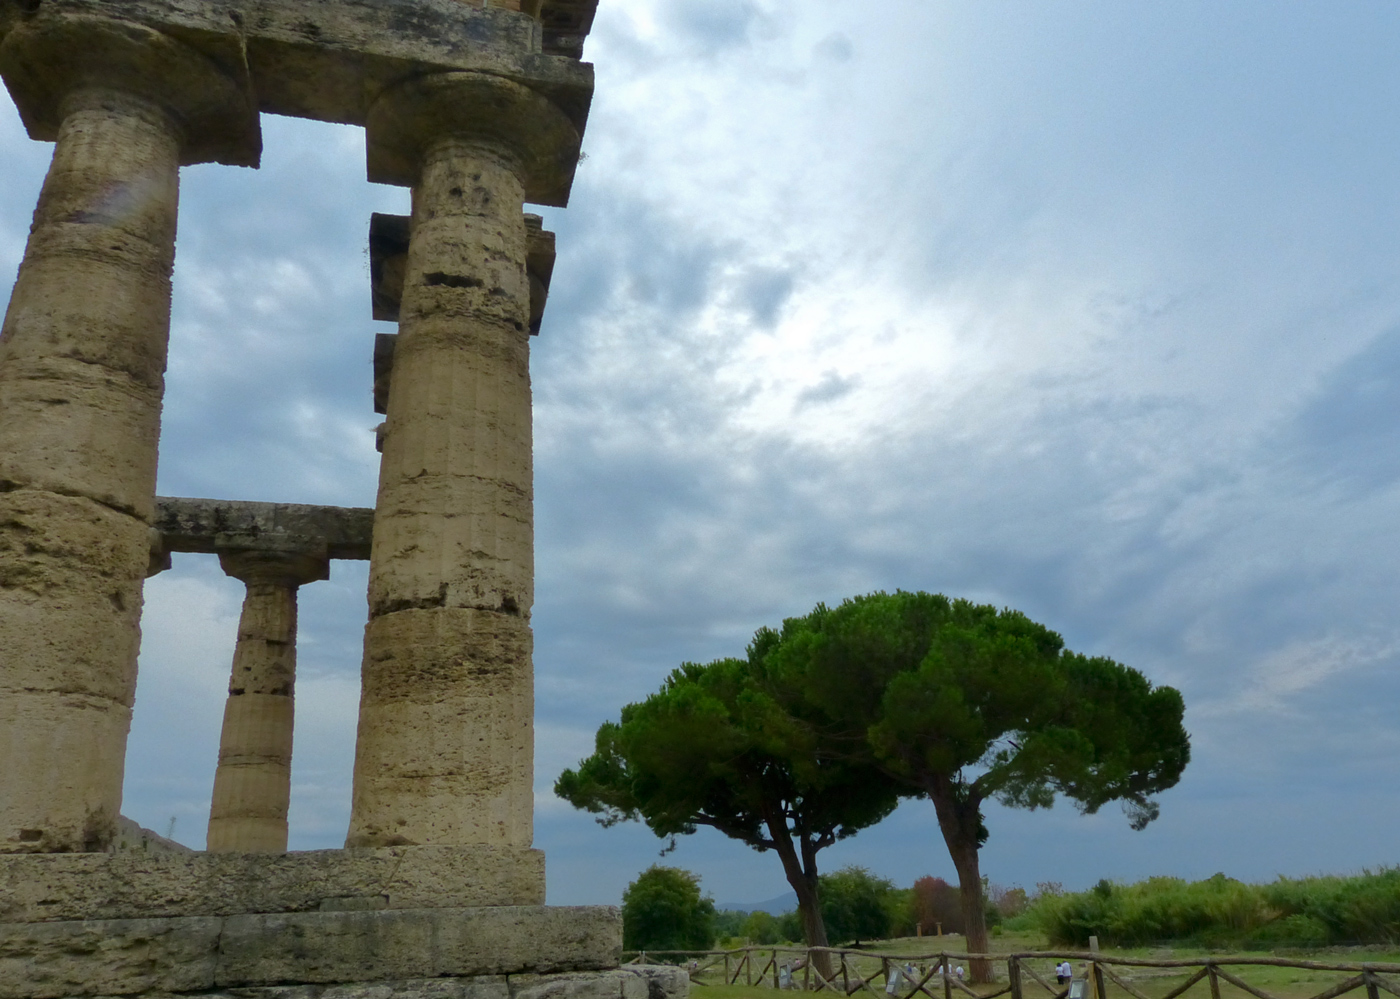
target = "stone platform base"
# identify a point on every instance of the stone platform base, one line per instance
(626, 983)
(68, 886)
(204, 954)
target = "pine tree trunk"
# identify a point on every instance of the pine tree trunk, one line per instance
(809, 908)
(804, 883)
(960, 821)
(973, 907)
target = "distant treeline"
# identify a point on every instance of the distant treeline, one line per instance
(1221, 912)
(857, 905)
(664, 908)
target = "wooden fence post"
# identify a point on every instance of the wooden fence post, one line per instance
(726, 969)
(807, 971)
(845, 976)
(1214, 982)
(1372, 992)
(947, 974)
(775, 967)
(1013, 976)
(748, 965)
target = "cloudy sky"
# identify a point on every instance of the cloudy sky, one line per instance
(1090, 309)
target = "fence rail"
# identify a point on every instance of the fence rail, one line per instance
(849, 971)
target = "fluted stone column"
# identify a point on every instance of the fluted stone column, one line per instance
(445, 743)
(82, 361)
(253, 782)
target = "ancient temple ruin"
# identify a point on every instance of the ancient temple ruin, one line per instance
(478, 106)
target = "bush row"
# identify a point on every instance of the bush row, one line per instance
(1221, 912)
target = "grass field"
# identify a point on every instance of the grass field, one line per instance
(1284, 983)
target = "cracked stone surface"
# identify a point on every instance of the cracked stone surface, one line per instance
(81, 379)
(205, 953)
(253, 780)
(445, 742)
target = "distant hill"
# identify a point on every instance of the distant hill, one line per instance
(777, 906)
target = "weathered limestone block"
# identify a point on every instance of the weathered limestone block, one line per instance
(662, 982)
(354, 946)
(253, 781)
(447, 708)
(211, 526)
(108, 957)
(625, 983)
(331, 60)
(48, 887)
(82, 360)
(388, 258)
(125, 957)
(605, 985)
(445, 744)
(191, 63)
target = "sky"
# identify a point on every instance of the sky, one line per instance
(1089, 309)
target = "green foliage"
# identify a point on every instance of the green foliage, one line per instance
(856, 905)
(664, 910)
(964, 702)
(729, 924)
(900, 905)
(790, 925)
(715, 747)
(1010, 902)
(937, 686)
(762, 928)
(1364, 909)
(1223, 912)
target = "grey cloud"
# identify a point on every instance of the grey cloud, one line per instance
(831, 387)
(765, 291)
(836, 47)
(712, 25)
(1350, 431)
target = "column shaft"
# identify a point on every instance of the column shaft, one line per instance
(82, 361)
(445, 742)
(253, 782)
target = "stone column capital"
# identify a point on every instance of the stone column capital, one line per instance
(274, 568)
(414, 117)
(55, 63)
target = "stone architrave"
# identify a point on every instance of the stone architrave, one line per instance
(253, 781)
(444, 753)
(82, 361)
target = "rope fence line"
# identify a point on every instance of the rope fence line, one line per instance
(894, 972)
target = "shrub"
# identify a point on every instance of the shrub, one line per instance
(935, 902)
(1223, 912)
(855, 905)
(663, 910)
(790, 925)
(762, 928)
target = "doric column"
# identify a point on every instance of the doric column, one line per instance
(445, 744)
(82, 361)
(253, 783)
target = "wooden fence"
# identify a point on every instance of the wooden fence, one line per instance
(854, 971)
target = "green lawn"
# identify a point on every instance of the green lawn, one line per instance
(1285, 983)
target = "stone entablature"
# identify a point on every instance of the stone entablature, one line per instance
(215, 526)
(311, 59)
